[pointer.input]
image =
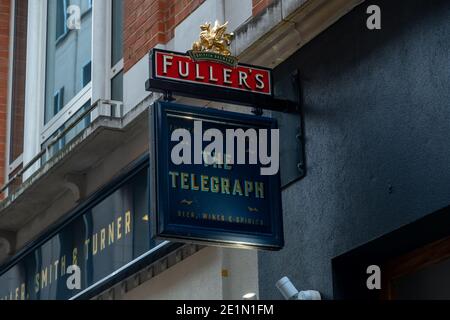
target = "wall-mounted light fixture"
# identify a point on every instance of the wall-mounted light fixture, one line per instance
(289, 291)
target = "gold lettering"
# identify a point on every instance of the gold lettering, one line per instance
(74, 256)
(36, 283)
(174, 176)
(184, 181)
(225, 185)
(127, 222)
(259, 190)
(44, 278)
(204, 183)
(194, 186)
(102, 239)
(237, 188)
(22, 292)
(56, 269)
(111, 233)
(63, 265)
(215, 184)
(248, 187)
(119, 228)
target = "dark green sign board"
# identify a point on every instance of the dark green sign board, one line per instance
(103, 237)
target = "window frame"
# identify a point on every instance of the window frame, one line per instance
(100, 16)
(36, 131)
(57, 121)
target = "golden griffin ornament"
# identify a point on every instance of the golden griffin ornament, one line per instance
(215, 39)
(213, 44)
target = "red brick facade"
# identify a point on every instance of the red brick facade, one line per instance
(18, 79)
(4, 64)
(259, 5)
(151, 22)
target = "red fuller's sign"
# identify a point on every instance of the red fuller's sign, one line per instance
(211, 70)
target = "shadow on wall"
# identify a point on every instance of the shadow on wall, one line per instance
(376, 116)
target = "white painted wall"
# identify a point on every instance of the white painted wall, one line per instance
(235, 12)
(199, 277)
(242, 267)
(187, 31)
(134, 83)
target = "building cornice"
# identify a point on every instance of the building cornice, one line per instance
(284, 27)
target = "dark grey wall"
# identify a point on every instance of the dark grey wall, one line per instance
(377, 128)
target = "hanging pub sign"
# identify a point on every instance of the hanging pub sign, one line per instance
(228, 194)
(209, 71)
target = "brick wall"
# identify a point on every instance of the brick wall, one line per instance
(18, 80)
(4, 63)
(260, 5)
(151, 22)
